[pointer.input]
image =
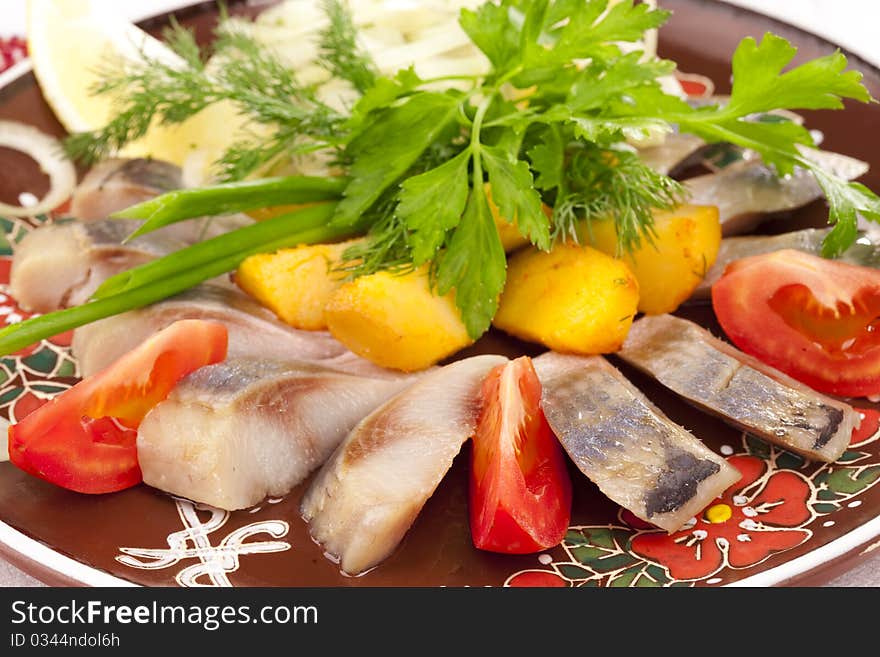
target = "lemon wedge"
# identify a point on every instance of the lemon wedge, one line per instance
(70, 40)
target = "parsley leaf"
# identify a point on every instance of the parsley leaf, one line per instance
(388, 146)
(593, 22)
(599, 83)
(589, 30)
(846, 201)
(604, 129)
(383, 93)
(431, 204)
(548, 159)
(759, 85)
(513, 191)
(474, 265)
(492, 29)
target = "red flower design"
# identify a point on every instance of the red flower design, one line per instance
(537, 579)
(12, 50)
(867, 428)
(751, 520)
(25, 405)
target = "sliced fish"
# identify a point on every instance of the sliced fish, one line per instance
(676, 150)
(350, 362)
(253, 330)
(61, 264)
(637, 456)
(115, 184)
(365, 498)
(863, 252)
(738, 388)
(233, 433)
(747, 191)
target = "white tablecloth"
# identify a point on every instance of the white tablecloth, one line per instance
(850, 23)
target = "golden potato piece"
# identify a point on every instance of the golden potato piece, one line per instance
(669, 270)
(396, 321)
(573, 299)
(511, 238)
(294, 283)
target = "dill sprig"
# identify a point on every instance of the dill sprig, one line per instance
(626, 192)
(339, 51)
(286, 116)
(385, 247)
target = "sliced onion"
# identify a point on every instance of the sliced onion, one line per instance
(194, 172)
(45, 151)
(4, 444)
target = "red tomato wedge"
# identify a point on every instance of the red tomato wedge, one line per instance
(84, 439)
(816, 320)
(520, 492)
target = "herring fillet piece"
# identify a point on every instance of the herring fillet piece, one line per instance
(117, 183)
(637, 456)
(365, 498)
(232, 433)
(673, 152)
(58, 265)
(746, 192)
(253, 329)
(865, 251)
(738, 388)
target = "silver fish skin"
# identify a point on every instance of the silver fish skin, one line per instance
(365, 498)
(233, 433)
(58, 265)
(864, 252)
(636, 455)
(746, 192)
(674, 152)
(756, 398)
(116, 183)
(253, 330)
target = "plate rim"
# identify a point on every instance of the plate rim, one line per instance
(22, 551)
(47, 559)
(854, 541)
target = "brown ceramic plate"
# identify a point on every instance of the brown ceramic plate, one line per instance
(786, 522)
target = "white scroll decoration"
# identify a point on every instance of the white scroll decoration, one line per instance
(215, 562)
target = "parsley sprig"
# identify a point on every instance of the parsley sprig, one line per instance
(760, 84)
(547, 126)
